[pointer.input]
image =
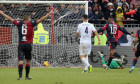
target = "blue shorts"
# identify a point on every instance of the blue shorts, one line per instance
(24, 51)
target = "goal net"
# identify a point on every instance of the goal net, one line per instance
(62, 49)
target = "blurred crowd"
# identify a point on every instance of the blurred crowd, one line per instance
(67, 11)
(123, 11)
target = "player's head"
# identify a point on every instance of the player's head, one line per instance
(26, 18)
(110, 19)
(85, 17)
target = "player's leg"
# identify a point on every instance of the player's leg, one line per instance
(111, 56)
(83, 56)
(84, 61)
(28, 53)
(88, 50)
(20, 62)
(135, 60)
(102, 59)
(112, 51)
(27, 68)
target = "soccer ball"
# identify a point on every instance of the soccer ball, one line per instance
(46, 64)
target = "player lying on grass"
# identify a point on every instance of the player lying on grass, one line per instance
(137, 51)
(115, 63)
(112, 35)
(25, 32)
(85, 30)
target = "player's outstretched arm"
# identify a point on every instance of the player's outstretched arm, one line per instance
(125, 31)
(44, 17)
(6, 16)
(102, 29)
(96, 33)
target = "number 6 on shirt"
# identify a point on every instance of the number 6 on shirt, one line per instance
(24, 29)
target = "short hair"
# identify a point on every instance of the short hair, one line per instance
(25, 17)
(85, 16)
(110, 19)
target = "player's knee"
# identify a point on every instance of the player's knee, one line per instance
(136, 58)
(20, 62)
(27, 61)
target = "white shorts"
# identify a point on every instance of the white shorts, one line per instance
(84, 49)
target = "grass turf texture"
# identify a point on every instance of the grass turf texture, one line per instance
(70, 76)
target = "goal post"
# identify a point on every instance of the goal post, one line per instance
(63, 47)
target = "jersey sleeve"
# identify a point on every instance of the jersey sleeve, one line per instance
(78, 30)
(105, 26)
(34, 22)
(136, 33)
(123, 30)
(93, 28)
(16, 22)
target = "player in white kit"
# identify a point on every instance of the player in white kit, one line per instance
(85, 30)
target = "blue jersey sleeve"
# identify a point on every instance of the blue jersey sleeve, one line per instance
(34, 22)
(124, 30)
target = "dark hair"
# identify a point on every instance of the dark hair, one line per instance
(85, 16)
(110, 17)
(25, 17)
(119, 10)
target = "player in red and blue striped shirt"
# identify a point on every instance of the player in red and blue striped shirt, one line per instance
(136, 50)
(112, 34)
(25, 32)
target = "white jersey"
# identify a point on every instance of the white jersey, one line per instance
(85, 29)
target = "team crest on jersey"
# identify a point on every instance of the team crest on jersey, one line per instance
(24, 38)
(18, 21)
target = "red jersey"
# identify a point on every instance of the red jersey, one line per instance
(112, 31)
(25, 31)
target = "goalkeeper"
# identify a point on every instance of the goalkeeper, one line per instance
(115, 63)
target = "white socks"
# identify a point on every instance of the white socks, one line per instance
(85, 62)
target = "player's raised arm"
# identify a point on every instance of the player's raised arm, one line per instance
(125, 31)
(44, 17)
(6, 16)
(102, 29)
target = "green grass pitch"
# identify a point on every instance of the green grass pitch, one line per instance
(70, 76)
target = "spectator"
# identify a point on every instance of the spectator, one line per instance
(137, 6)
(119, 17)
(104, 6)
(96, 17)
(137, 15)
(115, 4)
(123, 2)
(132, 6)
(128, 1)
(63, 10)
(110, 11)
(81, 10)
(130, 16)
(92, 3)
(125, 9)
